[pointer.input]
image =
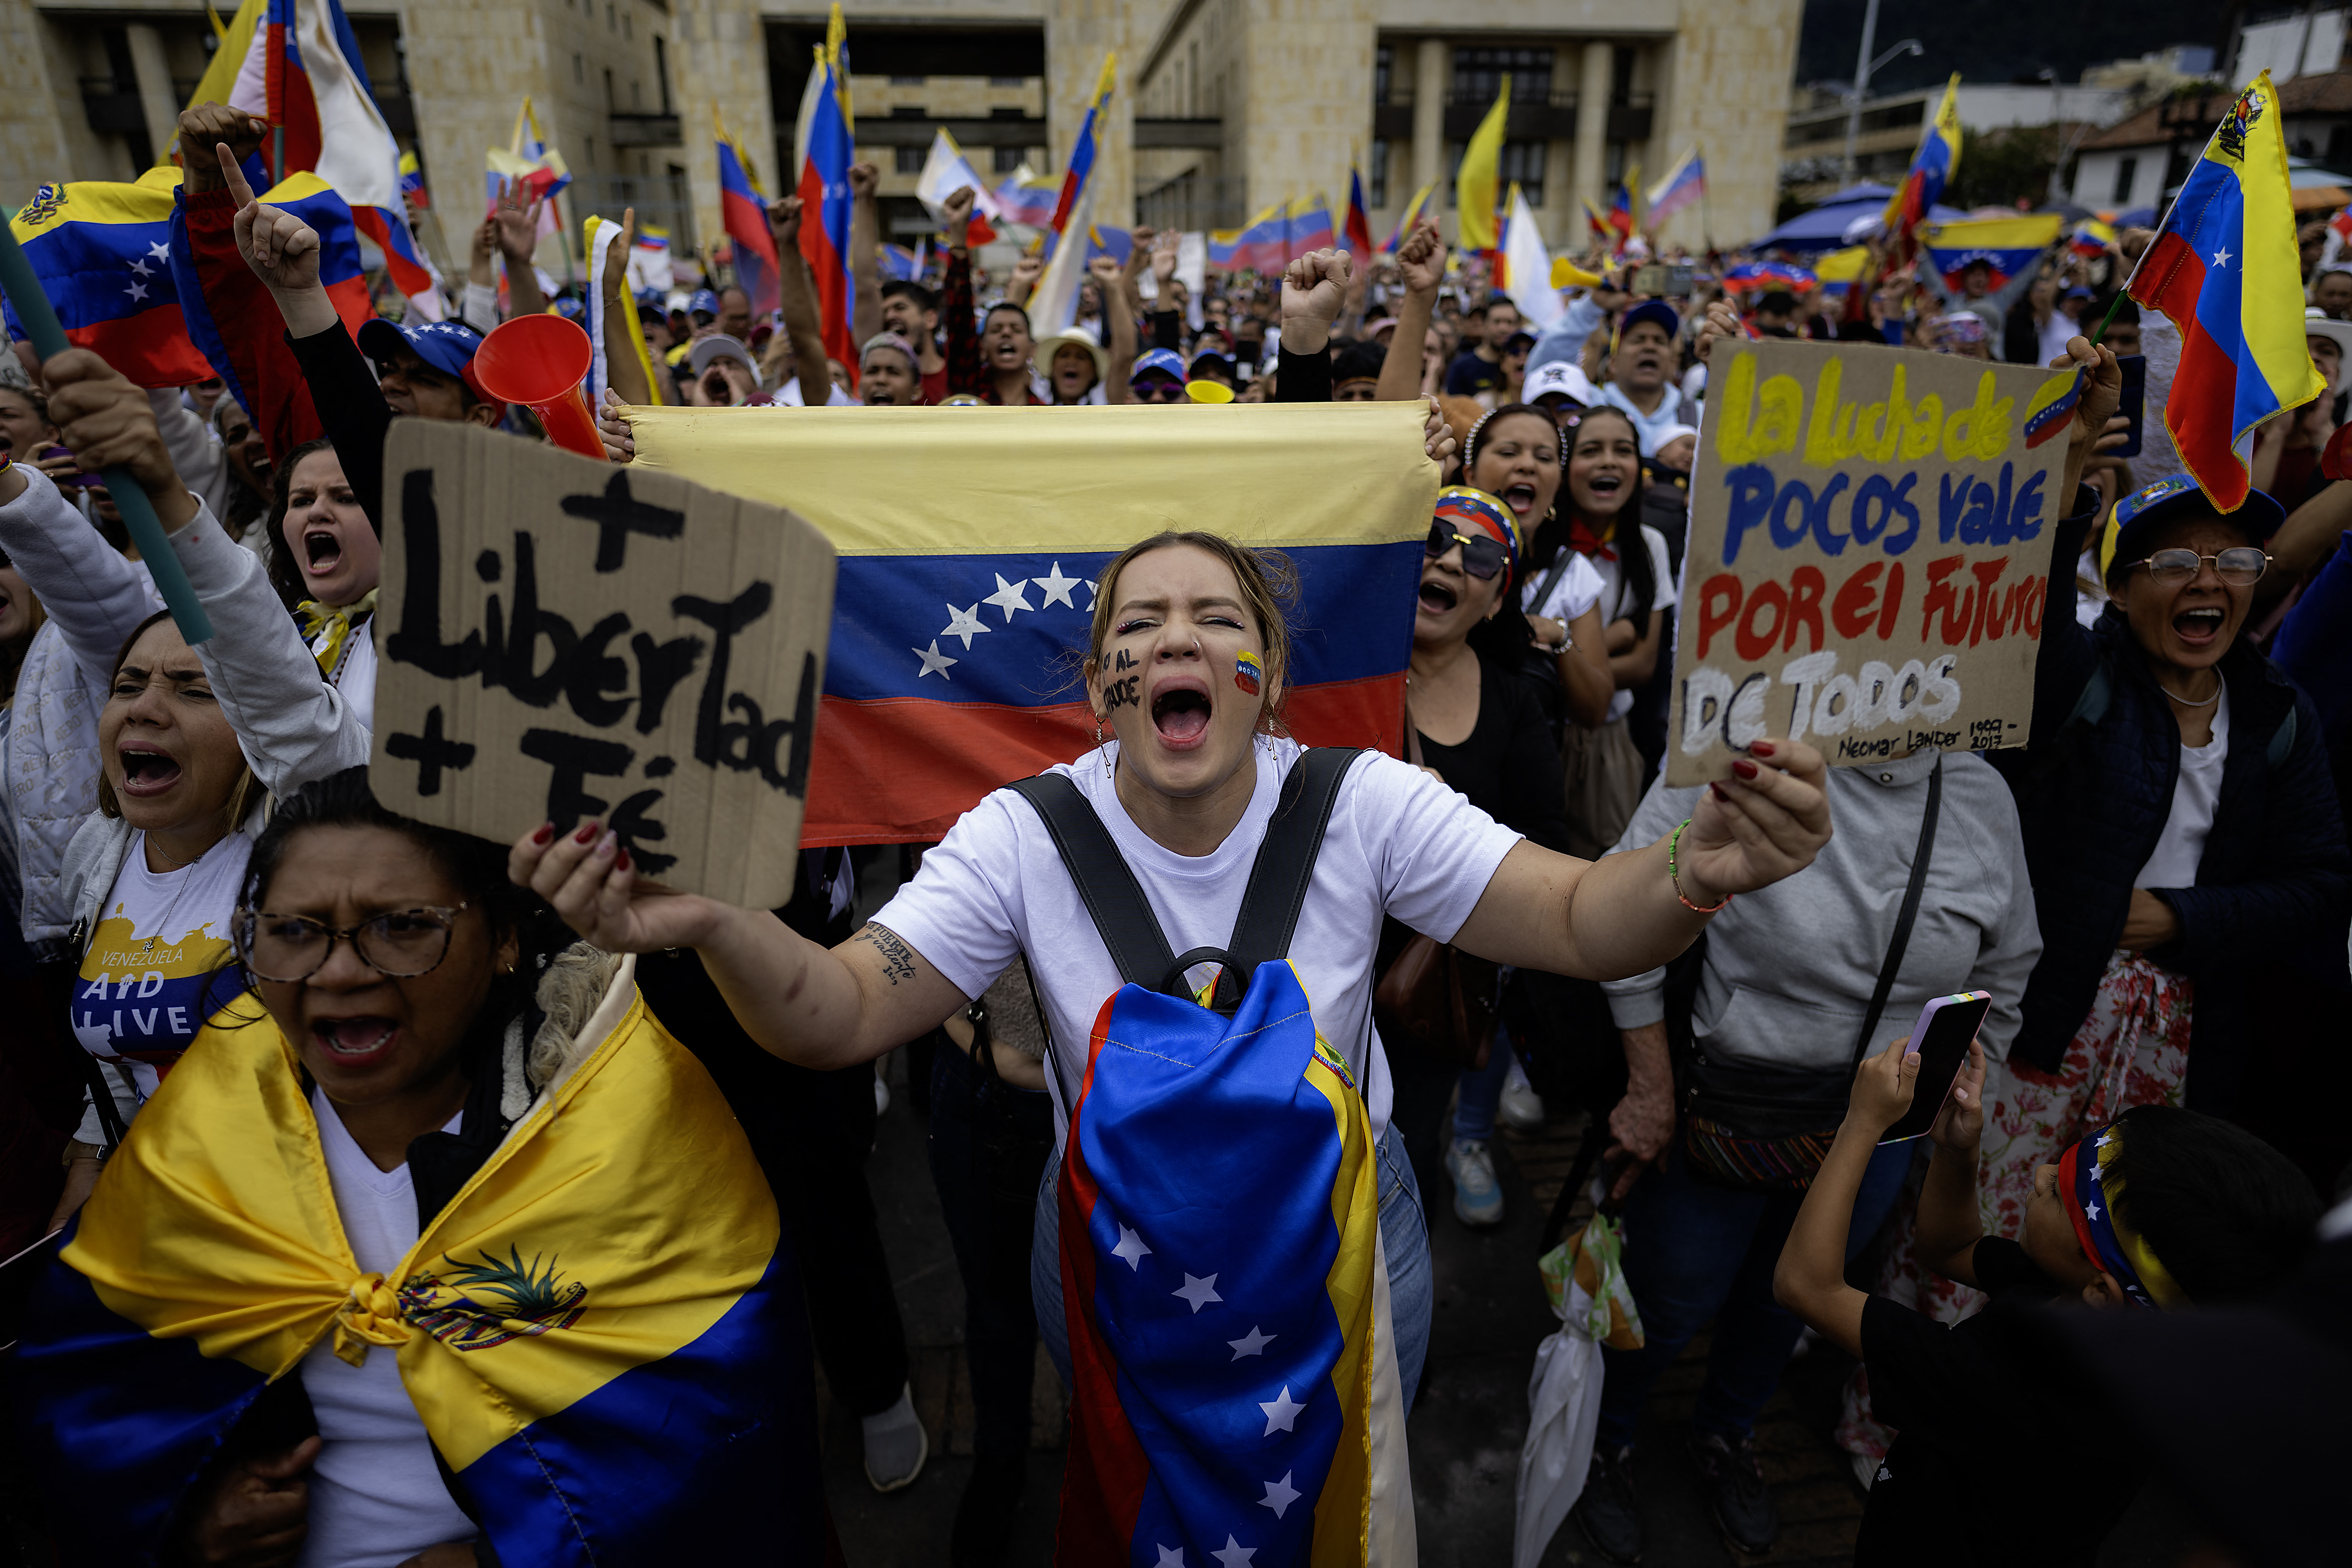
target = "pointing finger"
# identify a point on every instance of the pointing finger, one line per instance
(233, 175)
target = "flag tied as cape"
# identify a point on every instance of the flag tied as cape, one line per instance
(968, 572)
(601, 1332)
(1221, 1261)
(2225, 270)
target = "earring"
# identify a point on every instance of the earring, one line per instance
(1097, 732)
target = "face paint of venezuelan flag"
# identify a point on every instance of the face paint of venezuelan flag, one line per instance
(1248, 674)
(969, 580)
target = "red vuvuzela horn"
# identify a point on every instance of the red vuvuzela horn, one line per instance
(540, 361)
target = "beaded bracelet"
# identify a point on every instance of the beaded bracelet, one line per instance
(1673, 844)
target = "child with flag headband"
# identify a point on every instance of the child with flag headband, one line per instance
(1240, 1249)
(2159, 1210)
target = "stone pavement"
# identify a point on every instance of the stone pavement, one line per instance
(1466, 1426)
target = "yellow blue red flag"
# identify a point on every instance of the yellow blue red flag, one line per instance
(2224, 268)
(1932, 167)
(602, 1336)
(102, 251)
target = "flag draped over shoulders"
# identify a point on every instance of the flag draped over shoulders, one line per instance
(601, 1332)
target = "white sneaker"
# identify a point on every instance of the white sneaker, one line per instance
(895, 1444)
(1478, 1196)
(1522, 1108)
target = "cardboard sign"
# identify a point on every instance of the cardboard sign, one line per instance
(563, 640)
(1869, 557)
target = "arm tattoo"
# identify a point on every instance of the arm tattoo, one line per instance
(897, 958)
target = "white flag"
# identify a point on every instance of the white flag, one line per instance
(945, 172)
(1526, 267)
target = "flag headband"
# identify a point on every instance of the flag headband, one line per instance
(1468, 504)
(2107, 1239)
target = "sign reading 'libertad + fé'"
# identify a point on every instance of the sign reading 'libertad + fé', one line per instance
(567, 640)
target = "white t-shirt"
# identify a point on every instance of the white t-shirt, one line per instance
(354, 673)
(376, 1496)
(1399, 842)
(789, 395)
(2182, 843)
(1579, 589)
(162, 937)
(1615, 594)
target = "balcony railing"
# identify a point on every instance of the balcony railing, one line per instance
(654, 130)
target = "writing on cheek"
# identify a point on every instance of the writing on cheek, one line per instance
(1122, 694)
(1126, 661)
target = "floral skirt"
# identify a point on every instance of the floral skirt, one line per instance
(2132, 1050)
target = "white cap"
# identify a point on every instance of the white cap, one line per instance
(1563, 376)
(2318, 323)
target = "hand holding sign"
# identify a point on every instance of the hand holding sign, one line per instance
(1766, 822)
(566, 640)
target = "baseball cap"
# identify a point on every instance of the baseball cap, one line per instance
(704, 302)
(1167, 361)
(1659, 311)
(1521, 342)
(1560, 378)
(1213, 354)
(2318, 323)
(446, 346)
(2077, 292)
(717, 346)
(2174, 496)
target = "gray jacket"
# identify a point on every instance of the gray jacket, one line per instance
(1791, 969)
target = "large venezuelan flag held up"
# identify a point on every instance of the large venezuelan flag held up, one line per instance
(2224, 268)
(968, 580)
(1932, 167)
(603, 1338)
(103, 252)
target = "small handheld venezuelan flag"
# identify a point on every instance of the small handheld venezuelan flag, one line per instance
(1248, 674)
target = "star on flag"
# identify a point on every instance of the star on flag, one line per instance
(1170, 1557)
(1281, 1416)
(160, 250)
(2091, 1209)
(1008, 596)
(141, 267)
(1200, 1292)
(1132, 1251)
(933, 660)
(1280, 1495)
(1057, 588)
(965, 624)
(1251, 1342)
(1235, 1555)
(137, 291)
(2222, 257)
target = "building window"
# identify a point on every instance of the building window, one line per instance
(612, 102)
(1379, 195)
(2126, 171)
(1383, 63)
(908, 111)
(1004, 160)
(1522, 161)
(578, 71)
(1478, 74)
(908, 81)
(661, 68)
(909, 159)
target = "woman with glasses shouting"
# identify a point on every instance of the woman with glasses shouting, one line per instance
(2180, 823)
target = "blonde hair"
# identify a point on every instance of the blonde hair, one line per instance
(1268, 584)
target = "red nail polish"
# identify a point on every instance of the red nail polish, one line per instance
(621, 861)
(1744, 768)
(1716, 791)
(1760, 748)
(546, 834)
(586, 835)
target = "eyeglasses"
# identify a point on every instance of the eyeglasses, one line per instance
(2240, 566)
(1159, 391)
(401, 944)
(1482, 557)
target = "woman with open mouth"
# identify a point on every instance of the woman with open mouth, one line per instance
(1598, 516)
(324, 560)
(390, 1270)
(1208, 1209)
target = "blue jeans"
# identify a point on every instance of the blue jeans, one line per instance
(1695, 1250)
(1404, 1241)
(1482, 1090)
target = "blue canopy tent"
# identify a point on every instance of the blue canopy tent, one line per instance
(1824, 227)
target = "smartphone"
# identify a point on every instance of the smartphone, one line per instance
(67, 481)
(1662, 280)
(2135, 401)
(1941, 1037)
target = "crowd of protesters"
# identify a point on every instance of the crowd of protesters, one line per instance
(2154, 889)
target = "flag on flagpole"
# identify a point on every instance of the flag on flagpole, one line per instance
(1260, 245)
(744, 211)
(412, 182)
(1413, 212)
(1477, 184)
(1596, 222)
(649, 267)
(1527, 265)
(946, 170)
(102, 251)
(825, 150)
(1620, 210)
(1932, 167)
(1082, 152)
(1358, 234)
(602, 249)
(1027, 198)
(1307, 226)
(1684, 183)
(2223, 268)
(2091, 238)
(412, 271)
(1054, 304)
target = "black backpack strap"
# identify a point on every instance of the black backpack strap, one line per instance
(1139, 948)
(1285, 861)
(1903, 922)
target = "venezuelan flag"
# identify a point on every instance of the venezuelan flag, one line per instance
(1262, 244)
(411, 272)
(2091, 238)
(1685, 182)
(315, 202)
(1307, 226)
(412, 182)
(1837, 271)
(1413, 210)
(1228, 1340)
(103, 252)
(1932, 167)
(745, 211)
(1357, 236)
(1028, 199)
(966, 584)
(1082, 153)
(2009, 247)
(826, 153)
(2224, 269)
(602, 1332)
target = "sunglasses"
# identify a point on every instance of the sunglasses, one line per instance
(2240, 566)
(1159, 391)
(1482, 555)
